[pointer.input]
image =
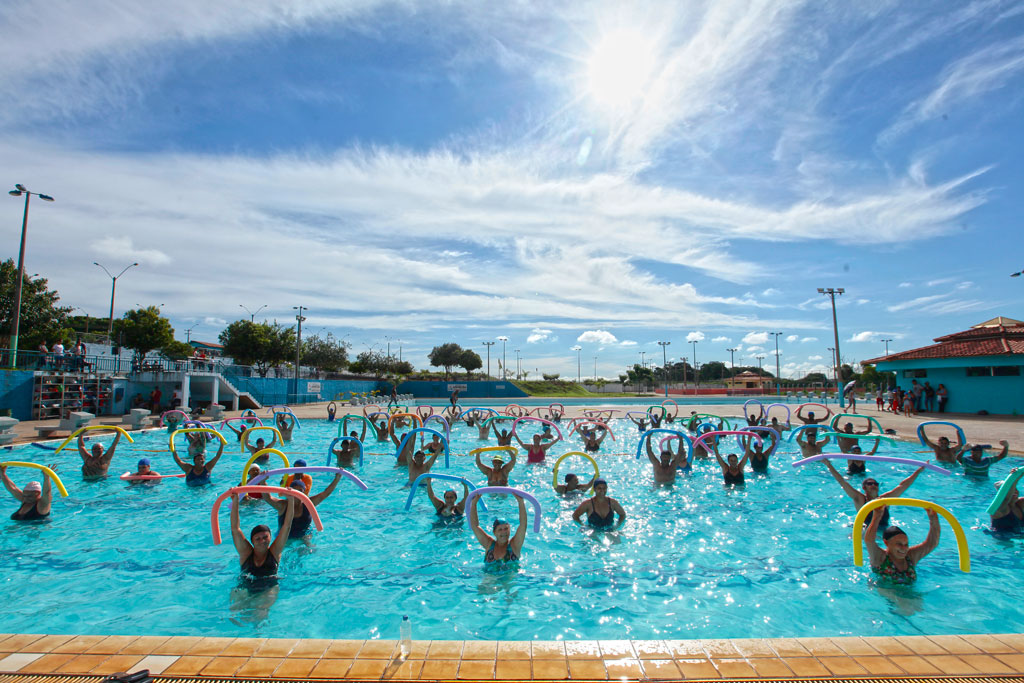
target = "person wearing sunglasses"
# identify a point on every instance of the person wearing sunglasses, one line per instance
(870, 492)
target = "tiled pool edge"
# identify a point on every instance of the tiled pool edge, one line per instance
(750, 658)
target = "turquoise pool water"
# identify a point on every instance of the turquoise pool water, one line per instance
(693, 560)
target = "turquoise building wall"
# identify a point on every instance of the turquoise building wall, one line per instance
(997, 395)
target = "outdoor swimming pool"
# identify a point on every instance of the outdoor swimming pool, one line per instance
(694, 560)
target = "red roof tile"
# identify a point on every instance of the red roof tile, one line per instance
(998, 340)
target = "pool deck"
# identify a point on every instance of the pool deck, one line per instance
(619, 660)
(900, 657)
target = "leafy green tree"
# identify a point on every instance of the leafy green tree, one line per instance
(550, 377)
(469, 360)
(446, 356)
(712, 371)
(641, 376)
(263, 345)
(176, 350)
(42, 320)
(379, 364)
(143, 330)
(325, 353)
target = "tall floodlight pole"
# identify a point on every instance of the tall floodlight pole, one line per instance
(778, 373)
(732, 362)
(252, 316)
(113, 289)
(19, 190)
(578, 349)
(298, 344)
(595, 368)
(886, 345)
(833, 352)
(664, 362)
(504, 363)
(519, 368)
(489, 345)
(835, 331)
(760, 380)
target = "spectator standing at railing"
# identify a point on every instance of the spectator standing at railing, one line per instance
(43, 353)
(58, 355)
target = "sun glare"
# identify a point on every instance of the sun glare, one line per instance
(619, 69)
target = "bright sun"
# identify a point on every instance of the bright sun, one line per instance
(620, 68)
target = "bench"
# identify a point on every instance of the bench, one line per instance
(72, 423)
(7, 430)
(214, 411)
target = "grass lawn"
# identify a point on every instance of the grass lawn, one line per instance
(546, 389)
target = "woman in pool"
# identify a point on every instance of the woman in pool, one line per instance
(641, 423)
(898, 561)
(1009, 518)
(332, 411)
(732, 469)
(870, 487)
(144, 469)
(286, 507)
(536, 450)
(758, 453)
(451, 507)
(600, 510)
(198, 473)
(572, 485)
(503, 547)
(591, 441)
(503, 437)
(34, 499)
(857, 466)
(258, 556)
(285, 424)
(497, 473)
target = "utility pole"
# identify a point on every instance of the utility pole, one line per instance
(664, 363)
(504, 363)
(760, 384)
(577, 349)
(835, 330)
(298, 345)
(696, 377)
(778, 373)
(886, 345)
(732, 362)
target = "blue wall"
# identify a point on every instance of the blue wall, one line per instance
(270, 390)
(437, 389)
(997, 395)
(16, 393)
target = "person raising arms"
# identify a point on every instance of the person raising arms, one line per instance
(258, 556)
(666, 466)
(898, 561)
(198, 473)
(732, 469)
(34, 499)
(944, 452)
(600, 509)
(448, 508)
(504, 546)
(536, 451)
(870, 487)
(96, 463)
(497, 473)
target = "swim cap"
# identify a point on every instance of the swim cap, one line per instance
(257, 529)
(810, 414)
(298, 485)
(598, 482)
(144, 462)
(299, 463)
(33, 486)
(892, 531)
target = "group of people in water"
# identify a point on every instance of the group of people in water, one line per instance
(260, 553)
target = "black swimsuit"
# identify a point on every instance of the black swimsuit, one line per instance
(731, 478)
(259, 577)
(594, 519)
(300, 523)
(33, 514)
(758, 463)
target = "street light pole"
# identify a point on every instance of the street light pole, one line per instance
(489, 345)
(519, 370)
(252, 316)
(696, 377)
(298, 345)
(732, 362)
(886, 345)
(113, 289)
(504, 363)
(833, 352)
(835, 330)
(778, 373)
(760, 381)
(19, 190)
(664, 362)
(579, 373)
(595, 368)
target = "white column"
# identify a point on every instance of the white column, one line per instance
(215, 392)
(186, 387)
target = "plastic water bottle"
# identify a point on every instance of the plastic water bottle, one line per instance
(405, 633)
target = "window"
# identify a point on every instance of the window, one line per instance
(994, 371)
(915, 374)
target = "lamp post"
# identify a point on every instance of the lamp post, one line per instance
(19, 190)
(298, 344)
(732, 362)
(188, 333)
(886, 345)
(113, 289)
(504, 365)
(778, 373)
(643, 359)
(696, 377)
(664, 362)
(833, 352)
(578, 349)
(835, 330)
(489, 345)
(595, 368)
(760, 384)
(519, 370)
(252, 316)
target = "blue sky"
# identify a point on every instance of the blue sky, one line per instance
(556, 173)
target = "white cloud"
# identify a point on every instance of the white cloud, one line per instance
(597, 337)
(869, 336)
(904, 284)
(771, 291)
(773, 352)
(814, 357)
(722, 340)
(627, 342)
(807, 340)
(915, 303)
(965, 285)
(792, 338)
(695, 336)
(755, 349)
(756, 338)
(538, 335)
(123, 249)
(211, 320)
